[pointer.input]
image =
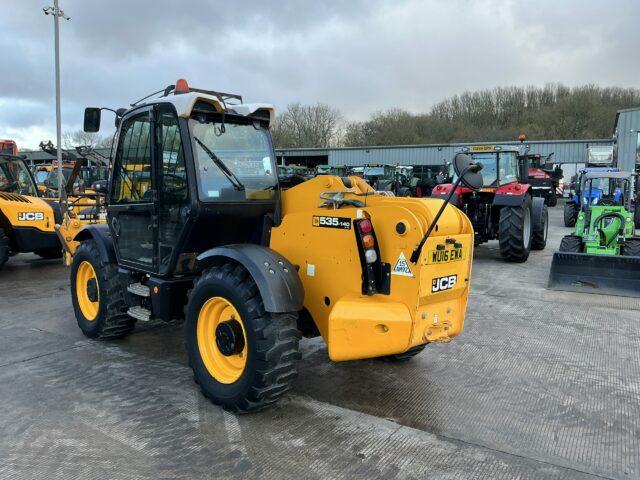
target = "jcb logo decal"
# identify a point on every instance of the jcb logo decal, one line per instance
(343, 223)
(30, 216)
(443, 283)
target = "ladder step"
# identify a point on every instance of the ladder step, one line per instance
(139, 313)
(139, 289)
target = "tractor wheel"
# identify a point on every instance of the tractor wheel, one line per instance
(243, 358)
(49, 253)
(540, 224)
(636, 216)
(515, 232)
(552, 200)
(403, 357)
(97, 295)
(4, 248)
(570, 214)
(571, 243)
(631, 247)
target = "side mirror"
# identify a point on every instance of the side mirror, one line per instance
(91, 119)
(101, 187)
(468, 172)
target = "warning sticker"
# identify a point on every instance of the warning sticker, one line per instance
(402, 267)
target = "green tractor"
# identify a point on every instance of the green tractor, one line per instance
(602, 255)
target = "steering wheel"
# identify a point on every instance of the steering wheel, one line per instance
(607, 202)
(178, 180)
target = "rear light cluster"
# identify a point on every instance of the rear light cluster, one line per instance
(367, 240)
(376, 276)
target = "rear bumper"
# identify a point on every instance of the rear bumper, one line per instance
(365, 327)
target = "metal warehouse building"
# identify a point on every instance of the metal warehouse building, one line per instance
(565, 151)
(627, 138)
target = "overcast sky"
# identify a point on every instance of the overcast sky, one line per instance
(359, 55)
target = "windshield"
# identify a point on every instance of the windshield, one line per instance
(245, 150)
(15, 177)
(489, 163)
(41, 176)
(52, 178)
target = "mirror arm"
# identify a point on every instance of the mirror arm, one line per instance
(415, 255)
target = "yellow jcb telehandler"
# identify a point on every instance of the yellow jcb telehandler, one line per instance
(198, 228)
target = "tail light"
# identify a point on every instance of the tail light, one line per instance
(376, 276)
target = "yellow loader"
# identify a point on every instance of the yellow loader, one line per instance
(198, 228)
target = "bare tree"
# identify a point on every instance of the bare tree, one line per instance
(308, 126)
(81, 138)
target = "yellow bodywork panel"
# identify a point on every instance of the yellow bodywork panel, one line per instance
(427, 301)
(27, 212)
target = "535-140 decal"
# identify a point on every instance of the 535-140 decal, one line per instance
(343, 223)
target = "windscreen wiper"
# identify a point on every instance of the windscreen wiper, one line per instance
(235, 181)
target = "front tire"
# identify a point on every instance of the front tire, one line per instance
(552, 200)
(4, 248)
(97, 295)
(571, 243)
(243, 357)
(540, 223)
(570, 214)
(631, 247)
(515, 232)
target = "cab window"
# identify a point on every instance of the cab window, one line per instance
(132, 183)
(508, 167)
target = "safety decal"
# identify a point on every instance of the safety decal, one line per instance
(402, 267)
(343, 223)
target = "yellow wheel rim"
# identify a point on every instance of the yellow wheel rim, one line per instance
(224, 368)
(84, 276)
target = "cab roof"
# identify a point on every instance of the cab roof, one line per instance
(185, 102)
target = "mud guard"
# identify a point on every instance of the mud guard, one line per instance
(277, 279)
(601, 274)
(101, 235)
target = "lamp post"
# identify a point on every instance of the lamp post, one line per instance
(57, 13)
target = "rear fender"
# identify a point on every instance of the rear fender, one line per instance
(277, 279)
(511, 195)
(101, 235)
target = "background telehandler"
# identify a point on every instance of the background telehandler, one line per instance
(198, 227)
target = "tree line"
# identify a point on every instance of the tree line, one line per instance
(502, 113)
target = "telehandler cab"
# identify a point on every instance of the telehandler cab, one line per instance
(198, 228)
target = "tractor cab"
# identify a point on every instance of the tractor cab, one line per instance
(15, 177)
(184, 161)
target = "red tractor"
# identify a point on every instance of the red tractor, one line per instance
(505, 209)
(544, 178)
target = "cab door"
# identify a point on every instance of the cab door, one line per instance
(132, 207)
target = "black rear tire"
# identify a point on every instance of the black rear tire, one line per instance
(571, 243)
(540, 224)
(4, 248)
(570, 214)
(49, 253)
(514, 234)
(631, 247)
(405, 356)
(271, 342)
(112, 320)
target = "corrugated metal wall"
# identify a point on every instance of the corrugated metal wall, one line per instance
(627, 142)
(564, 152)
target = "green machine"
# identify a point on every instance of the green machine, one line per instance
(602, 255)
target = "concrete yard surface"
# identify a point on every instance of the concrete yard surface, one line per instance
(540, 384)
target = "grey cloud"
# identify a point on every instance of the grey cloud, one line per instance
(360, 56)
